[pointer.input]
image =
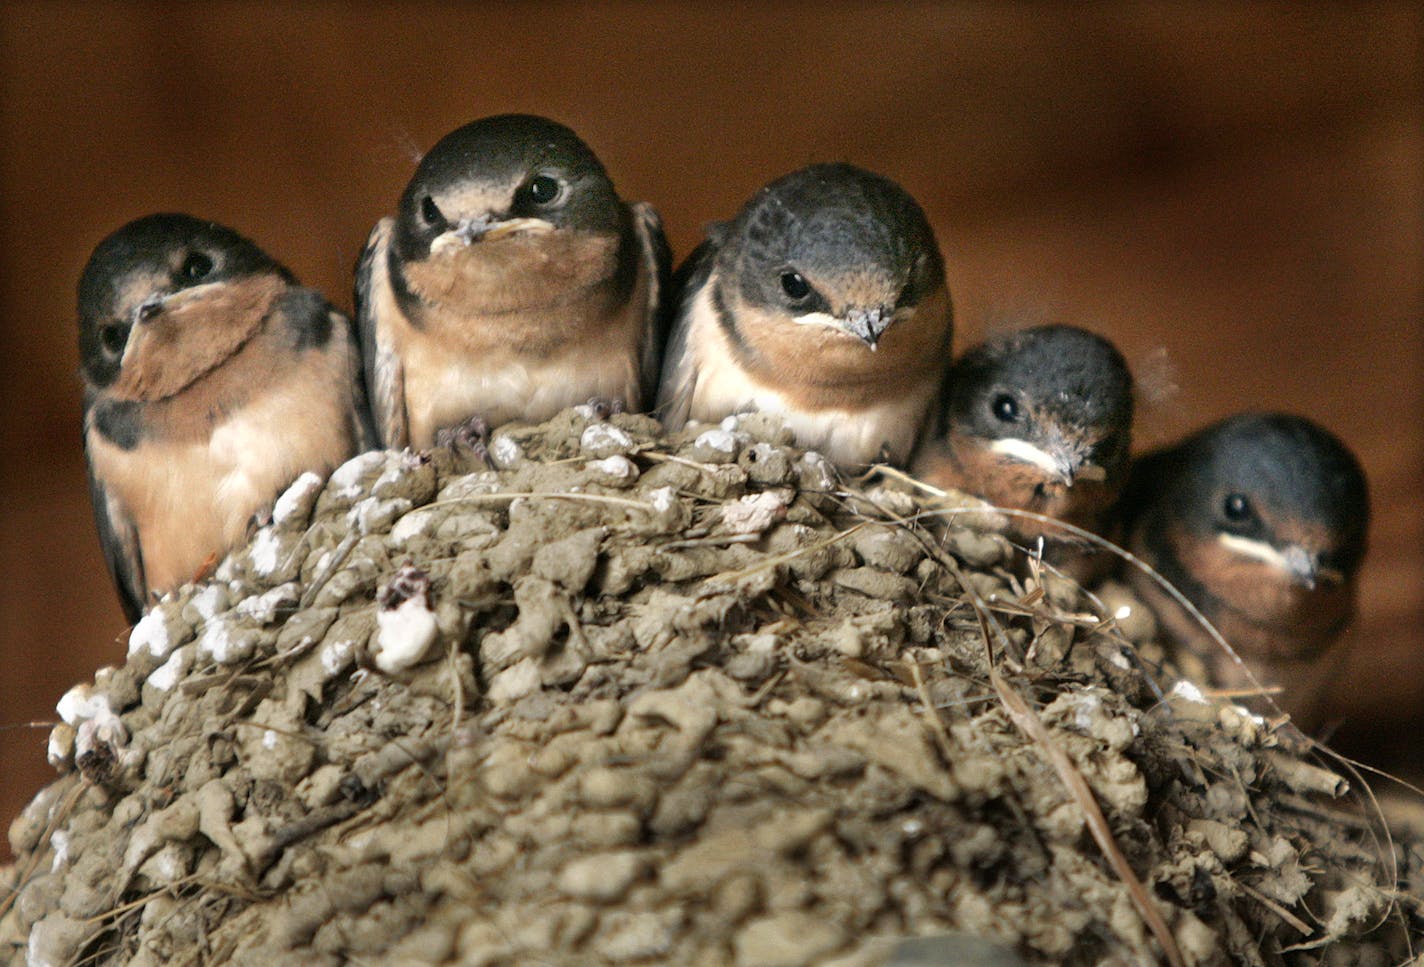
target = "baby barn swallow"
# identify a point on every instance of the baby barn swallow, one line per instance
(823, 301)
(1260, 522)
(511, 283)
(212, 380)
(1037, 420)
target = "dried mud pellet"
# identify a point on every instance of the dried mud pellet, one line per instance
(977, 548)
(765, 464)
(57, 939)
(789, 939)
(628, 937)
(601, 877)
(764, 427)
(569, 562)
(610, 788)
(888, 548)
(875, 583)
(715, 446)
(604, 440)
(607, 829)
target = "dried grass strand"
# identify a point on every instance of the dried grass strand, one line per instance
(1033, 729)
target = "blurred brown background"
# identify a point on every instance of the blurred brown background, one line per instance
(1238, 185)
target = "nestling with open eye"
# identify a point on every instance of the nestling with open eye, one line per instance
(212, 381)
(512, 282)
(823, 301)
(1260, 521)
(1037, 420)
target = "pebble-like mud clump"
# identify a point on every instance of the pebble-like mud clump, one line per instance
(628, 699)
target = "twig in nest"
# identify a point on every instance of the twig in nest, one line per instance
(721, 582)
(931, 714)
(715, 540)
(333, 564)
(682, 461)
(1275, 908)
(543, 495)
(1033, 728)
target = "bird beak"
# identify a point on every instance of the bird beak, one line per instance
(1306, 569)
(142, 314)
(488, 228)
(465, 232)
(469, 230)
(148, 308)
(1059, 463)
(868, 325)
(1300, 565)
(1025, 452)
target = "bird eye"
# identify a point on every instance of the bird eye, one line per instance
(1237, 508)
(431, 211)
(195, 266)
(1006, 408)
(544, 189)
(114, 336)
(794, 285)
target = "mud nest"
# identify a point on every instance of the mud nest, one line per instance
(628, 699)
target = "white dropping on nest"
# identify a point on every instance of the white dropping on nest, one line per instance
(151, 635)
(336, 656)
(754, 513)
(80, 704)
(1123, 613)
(405, 625)
(209, 601)
(601, 438)
(264, 608)
(59, 840)
(264, 553)
(92, 717)
(1185, 689)
(617, 467)
(505, 451)
(165, 676)
(1246, 713)
(296, 498)
(346, 479)
(720, 440)
(222, 644)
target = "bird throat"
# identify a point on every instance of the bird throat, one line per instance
(193, 335)
(543, 274)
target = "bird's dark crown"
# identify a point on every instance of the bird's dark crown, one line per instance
(501, 156)
(1073, 377)
(1285, 467)
(845, 230)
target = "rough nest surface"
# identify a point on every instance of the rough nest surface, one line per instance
(629, 700)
